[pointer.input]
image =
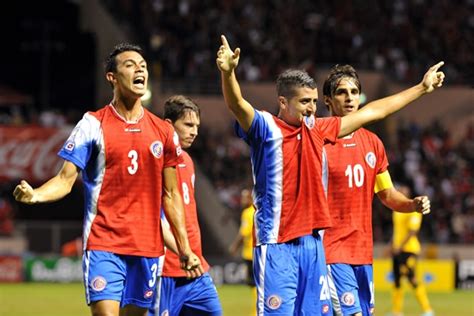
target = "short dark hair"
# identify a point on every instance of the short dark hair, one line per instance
(110, 64)
(336, 74)
(290, 79)
(177, 105)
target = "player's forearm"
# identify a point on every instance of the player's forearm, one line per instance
(381, 108)
(168, 238)
(396, 201)
(234, 100)
(175, 214)
(54, 189)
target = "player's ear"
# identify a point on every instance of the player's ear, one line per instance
(327, 101)
(110, 77)
(282, 102)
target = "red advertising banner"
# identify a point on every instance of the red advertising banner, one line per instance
(30, 152)
(11, 269)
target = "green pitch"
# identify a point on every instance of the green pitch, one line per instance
(50, 299)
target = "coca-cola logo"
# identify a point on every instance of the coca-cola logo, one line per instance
(30, 152)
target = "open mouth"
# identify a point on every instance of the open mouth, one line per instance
(139, 82)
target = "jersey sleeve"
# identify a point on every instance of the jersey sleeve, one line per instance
(81, 142)
(329, 128)
(382, 160)
(257, 131)
(172, 148)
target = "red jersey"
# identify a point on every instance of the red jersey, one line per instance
(122, 169)
(354, 162)
(289, 168)
(186, 176)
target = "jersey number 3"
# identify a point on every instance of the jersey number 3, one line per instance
(133, 167)
(355, 175)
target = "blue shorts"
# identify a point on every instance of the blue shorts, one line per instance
(352, 289)
(182, 296)
(123, 278)
(291, 278)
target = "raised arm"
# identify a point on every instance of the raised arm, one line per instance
(54, 189)
(227, 60)
(380, 109)
(174, 211)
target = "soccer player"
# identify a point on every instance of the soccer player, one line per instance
(289, 168)
(176, 293)
(244, 238)
(127, 157)
(357, 166)
(405, 250)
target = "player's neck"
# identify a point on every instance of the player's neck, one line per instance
(130, 110)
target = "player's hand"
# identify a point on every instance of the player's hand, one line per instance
(191, 264)
(24, 193)
(433, 78)
(422, 204)
(227, 60)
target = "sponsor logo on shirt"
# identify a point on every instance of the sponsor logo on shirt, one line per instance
(348, 145)
(98, 283)
(370, 159)
(69, 146)
(348, 299)
(325, 309)
(182, 165)
(148, 294)
(133, 130)
(156, 148)
(274, 302)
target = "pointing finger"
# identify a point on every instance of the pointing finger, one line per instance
(224, 42)
(437, 66)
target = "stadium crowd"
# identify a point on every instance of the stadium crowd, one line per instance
(415, 33)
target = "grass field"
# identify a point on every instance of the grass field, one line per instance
(50, 299)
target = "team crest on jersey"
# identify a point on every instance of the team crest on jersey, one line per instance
(165, 313)
(98, 283)
(274, 302)
(178, 150)
(309, 121)
(148, 294)
(348, 299)
(156, 148)
(370, 159)
(325, 309)
(69, 146)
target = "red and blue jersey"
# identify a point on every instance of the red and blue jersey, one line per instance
(122, 166)
(290, 175)
(354, 162)
(186, 176)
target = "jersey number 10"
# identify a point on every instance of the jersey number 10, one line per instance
(355, 175)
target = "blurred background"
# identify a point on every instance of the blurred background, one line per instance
(52, 73)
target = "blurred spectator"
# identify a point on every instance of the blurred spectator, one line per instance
(6, 215)
(72, 248)
(182, 35)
